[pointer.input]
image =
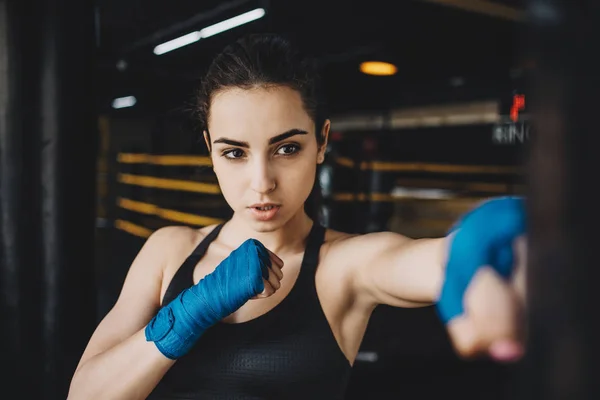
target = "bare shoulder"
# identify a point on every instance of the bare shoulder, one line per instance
(157, 259)
(175, 240)
(178, 234)
(161, 248)
(348, 247)
(165, 250)
(177, 243)
(333, 237)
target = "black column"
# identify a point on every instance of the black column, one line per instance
(68, 158)
(20, 239)
(564, 322)
(48, 138)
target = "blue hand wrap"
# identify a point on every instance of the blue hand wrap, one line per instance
(483, 236)
(178, 325)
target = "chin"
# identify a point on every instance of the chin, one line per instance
(266, 226)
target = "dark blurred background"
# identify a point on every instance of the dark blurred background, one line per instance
(113, 126)
(409, 152)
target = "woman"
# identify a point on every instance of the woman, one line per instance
(211, 313)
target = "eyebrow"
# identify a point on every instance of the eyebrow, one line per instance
(273, 140)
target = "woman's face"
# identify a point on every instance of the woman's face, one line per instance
(264, 153)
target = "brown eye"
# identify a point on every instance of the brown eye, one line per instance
(288, 149)
(233, 154)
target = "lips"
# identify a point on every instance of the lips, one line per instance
(264, 205)
(264, 211)
(264, 208)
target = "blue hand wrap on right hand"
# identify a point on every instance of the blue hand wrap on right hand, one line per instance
(484, 236)
(178, 325)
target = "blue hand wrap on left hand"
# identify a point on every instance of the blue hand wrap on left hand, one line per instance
(484, 236)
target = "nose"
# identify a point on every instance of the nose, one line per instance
(263, 177)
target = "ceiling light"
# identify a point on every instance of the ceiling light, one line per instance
(232, 22)
(177, 43)
(379, 68)
(123, 102)
(209, 31)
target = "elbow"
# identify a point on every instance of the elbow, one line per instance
(77, 389)
(81, 388)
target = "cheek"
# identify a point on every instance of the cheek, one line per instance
(230, 181)
(298, 181)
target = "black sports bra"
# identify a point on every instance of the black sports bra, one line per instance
(287, 353)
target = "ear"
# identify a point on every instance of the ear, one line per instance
(206, 140)
(325, 137)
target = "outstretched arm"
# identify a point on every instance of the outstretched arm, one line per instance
(393, 269)
(473, 276)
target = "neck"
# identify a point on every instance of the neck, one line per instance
(287, 238)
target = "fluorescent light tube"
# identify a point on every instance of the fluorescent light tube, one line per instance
(232, 22)
(209, 31)
(123, 102)
(177, 43)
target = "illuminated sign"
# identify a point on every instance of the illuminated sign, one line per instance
(517, 106)
(516, 128)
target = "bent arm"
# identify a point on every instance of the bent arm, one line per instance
(129, 370)
(118, 362)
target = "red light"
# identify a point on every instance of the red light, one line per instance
(518, 105)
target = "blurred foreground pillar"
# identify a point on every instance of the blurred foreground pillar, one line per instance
(47, 176)
(20, 256)
(563, 360)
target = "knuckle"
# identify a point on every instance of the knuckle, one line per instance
(467, 347)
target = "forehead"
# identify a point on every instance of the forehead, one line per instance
(258, 111)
